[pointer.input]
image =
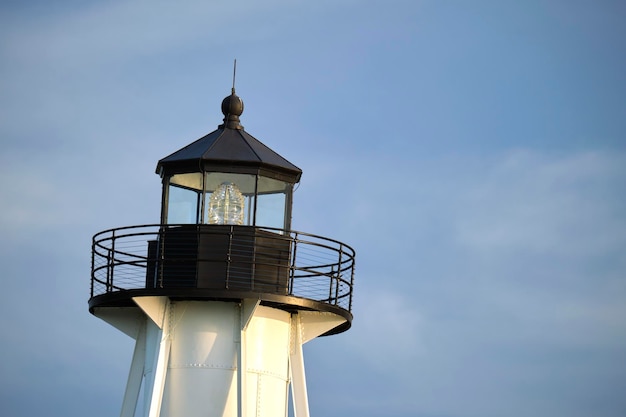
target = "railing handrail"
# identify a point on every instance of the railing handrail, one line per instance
(275, 229)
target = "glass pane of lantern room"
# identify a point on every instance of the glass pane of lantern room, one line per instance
(223, 192)
(184, 198)
(272, 203)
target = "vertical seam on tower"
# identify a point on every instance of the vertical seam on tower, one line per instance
(258, 395)
(170, 322)
(300, 331)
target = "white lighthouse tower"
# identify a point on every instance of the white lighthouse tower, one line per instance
(221, 295)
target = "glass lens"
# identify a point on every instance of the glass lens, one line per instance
(226, 205)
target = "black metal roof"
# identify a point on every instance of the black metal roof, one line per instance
(229, 149)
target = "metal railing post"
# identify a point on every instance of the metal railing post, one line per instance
(338, 275)
(229, 258)
(253, 265)
(292, 266)
(109, 272)
(351, 284)
(110, 277)
(93, 254)
(160, 258)
(330, 286)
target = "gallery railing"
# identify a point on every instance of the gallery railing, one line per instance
(223, 258)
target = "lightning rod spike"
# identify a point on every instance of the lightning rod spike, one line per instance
(234, 74)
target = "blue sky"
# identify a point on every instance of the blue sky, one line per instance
(473, 153)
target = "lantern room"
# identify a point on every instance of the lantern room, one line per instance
(225, 234)
(228, 177)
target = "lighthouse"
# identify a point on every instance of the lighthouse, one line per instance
(221, 294)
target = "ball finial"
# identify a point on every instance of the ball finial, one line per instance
(232, 108)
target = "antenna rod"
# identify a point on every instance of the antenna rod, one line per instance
(234, 74)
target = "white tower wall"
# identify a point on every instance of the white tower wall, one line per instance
(205, 345)
(218, 359)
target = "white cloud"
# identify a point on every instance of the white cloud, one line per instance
(550, 204)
